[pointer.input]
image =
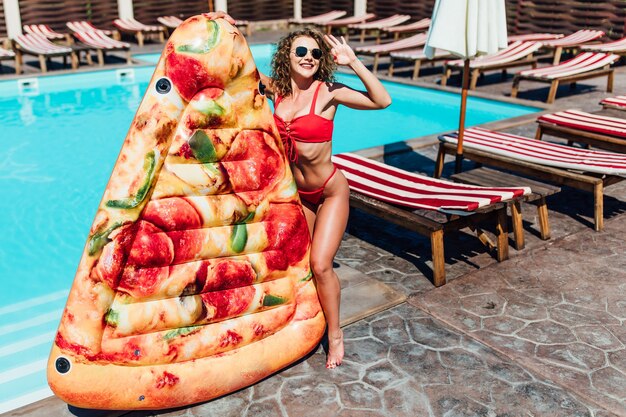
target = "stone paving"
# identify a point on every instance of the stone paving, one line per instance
(541, 334)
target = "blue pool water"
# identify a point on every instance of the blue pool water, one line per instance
(59, 142)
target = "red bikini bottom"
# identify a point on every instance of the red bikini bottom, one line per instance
(315, 196)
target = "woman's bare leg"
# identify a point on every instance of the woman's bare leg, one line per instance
(330, 224)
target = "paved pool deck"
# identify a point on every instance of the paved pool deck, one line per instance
(541, 334)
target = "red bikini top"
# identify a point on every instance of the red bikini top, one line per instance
(309, 128)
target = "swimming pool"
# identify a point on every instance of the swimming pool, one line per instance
(60, 138)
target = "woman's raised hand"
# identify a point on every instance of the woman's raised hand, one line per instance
(343, 54)
(220, 15)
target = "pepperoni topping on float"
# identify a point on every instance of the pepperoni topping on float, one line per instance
(189, 75)
(287, 232)
(174, 213)
(151, 247)
(228, 303)
(254, 165)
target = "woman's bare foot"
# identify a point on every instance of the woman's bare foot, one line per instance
(335, 350)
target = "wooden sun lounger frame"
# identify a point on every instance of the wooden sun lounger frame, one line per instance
(599, 140)
(417, 63)
(420, 221)
(141, 35)
(591, 182)
(476, 72)
(20, 52)
(555, 82)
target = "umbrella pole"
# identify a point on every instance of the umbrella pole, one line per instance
(464, 88)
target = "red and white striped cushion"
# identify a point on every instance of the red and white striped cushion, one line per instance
(588, 122)
(397, 186)
(584, 62)
(513, 52)
(576, 38)
(40, 45)
(617, 101)
(169, 21)
(410, 42)
(133, 25)
(5, 53)
(396, 19)
(615, 46)
(99, 40)
(43, 30)
(541, 152)
(84, 26)
(534, 37)
(422, 24)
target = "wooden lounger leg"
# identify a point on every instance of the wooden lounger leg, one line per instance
(539, 133)
(557, 55)
(552, 93)
(446, 74)
(42, 63)
(129, 58)
(74, 59)
(609, 82)
(474, 79)
(516, 81)
(518, 228)
(439, 265)
(441, 156)
(598, 207)
(390, 69)
(416, 68)
(161, 36)
(100, 57)
(362, 35)
(19, 60)
(502, 235)
(375, 66)
(140, 38)
(542, 212)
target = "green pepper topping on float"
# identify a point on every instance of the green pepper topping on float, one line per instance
(273, 300)
(213, 29)
(182, 331)
(131, 202)
(202, 147)
(99, 239)
(209, 107)
(239, 238)
(112, 317)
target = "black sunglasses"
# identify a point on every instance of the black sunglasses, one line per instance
(301, 52)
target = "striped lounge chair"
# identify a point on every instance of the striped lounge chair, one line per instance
(616, 102)
(416, 56)
(48, 32)
(597, 130)
(583, 66)
(170, 22)
(101, 43)
(378, 25)
(588, 170)
(534, 37)
(425, 205)
(341, 25)
(616, 47)
(573, 41)
(319, 19)
(515, 55)
(39, 46)
(85, 26)
(385, 49)
(410, 28)
(132, 26)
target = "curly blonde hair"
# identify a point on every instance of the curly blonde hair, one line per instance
(281, 66)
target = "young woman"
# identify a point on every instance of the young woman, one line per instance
(306, 98)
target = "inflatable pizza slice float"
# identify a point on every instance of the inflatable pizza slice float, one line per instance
(195, 279)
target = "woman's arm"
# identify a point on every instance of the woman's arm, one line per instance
(376, 96)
